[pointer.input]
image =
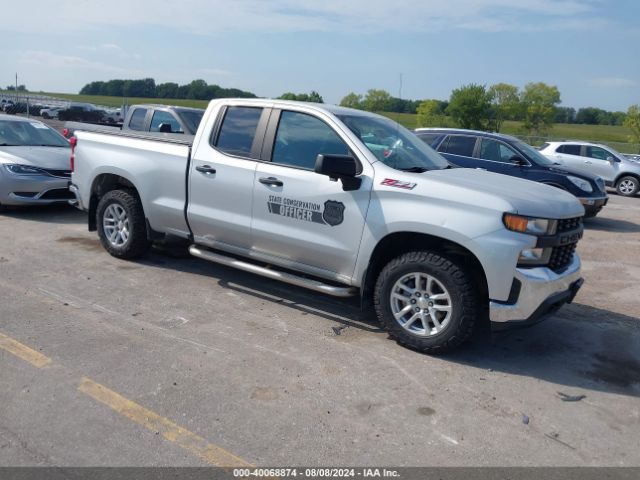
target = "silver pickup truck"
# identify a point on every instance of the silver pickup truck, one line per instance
(342, 202)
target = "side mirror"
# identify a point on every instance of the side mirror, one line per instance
(343, 167)
(518, 160)
(612, 160)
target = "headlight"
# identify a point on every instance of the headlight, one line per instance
(532, 226)
(580, 183)
(24, 170)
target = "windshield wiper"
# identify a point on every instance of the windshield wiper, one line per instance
(414, 169)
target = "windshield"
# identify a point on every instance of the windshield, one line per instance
(192, 119)
(393, 144)
(533, 154)
(13, 133)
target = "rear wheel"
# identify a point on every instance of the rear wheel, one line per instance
(426, 302)
(628, 186)
(121, 224)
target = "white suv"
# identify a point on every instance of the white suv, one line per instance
(602, 160)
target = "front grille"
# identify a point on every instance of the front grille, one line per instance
(567, 224)
(59, 173)
(562, 256)
(58, 194)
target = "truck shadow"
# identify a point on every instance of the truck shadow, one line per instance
(343, 311)
(579, 347)
(62, 214)
(611, 225)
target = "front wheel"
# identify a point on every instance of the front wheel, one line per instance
(628, 186)
(426, 301)
(121, 224)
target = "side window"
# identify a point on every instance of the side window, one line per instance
(496, 151)
(569, 149)
(428, 138)
(459, 145)
(238, 130)
(301, 138)
(598, 153)
(161, 117)
(137, 119)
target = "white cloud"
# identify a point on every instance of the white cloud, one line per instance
(207, 17)
(67, 62)
(613, 82)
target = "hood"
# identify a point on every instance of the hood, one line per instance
(564, 170)
(55, 158)
(524, 196)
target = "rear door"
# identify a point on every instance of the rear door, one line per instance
(301, 218)
(222, 176)
(570, 156)
(459, 150)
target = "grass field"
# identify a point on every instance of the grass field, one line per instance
(616, 136)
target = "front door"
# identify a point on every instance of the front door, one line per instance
(301, 218)
(599, 163)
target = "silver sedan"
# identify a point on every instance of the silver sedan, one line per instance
(34, 163)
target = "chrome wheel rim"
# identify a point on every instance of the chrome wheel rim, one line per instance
(116, 225)
(627, 186)
(421, 304)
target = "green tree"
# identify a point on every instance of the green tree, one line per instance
(352, 100)
(313, 97)
(504, 103)
(429, 114)
(376, 100)
(632, 122)
(539, 102)
(470, 106)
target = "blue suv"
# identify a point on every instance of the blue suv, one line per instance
(500, 153)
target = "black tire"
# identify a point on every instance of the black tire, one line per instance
(623, 183)
(137, 242)
(465, 305)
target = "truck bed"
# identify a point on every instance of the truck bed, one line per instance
(161, 162)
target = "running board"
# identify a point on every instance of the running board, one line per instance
(274, 274)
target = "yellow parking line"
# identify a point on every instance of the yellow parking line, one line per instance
(210, 453)
(22, 351)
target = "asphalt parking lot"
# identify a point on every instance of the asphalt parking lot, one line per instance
(176, 361)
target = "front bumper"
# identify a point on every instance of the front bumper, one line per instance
(33, 190)
(542, 291)
(592, 205)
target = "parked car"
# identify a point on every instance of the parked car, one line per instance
(163, 118)
(34, 163)
(51, 112)
(584, 157)
(151, 120)
(342, 202)
(82, 112)
(508, 155)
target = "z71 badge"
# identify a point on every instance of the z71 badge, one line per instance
(390, 182)
(331, 213)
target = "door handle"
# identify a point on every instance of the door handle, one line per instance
(206, 169)
(273, 181)
(587, 161)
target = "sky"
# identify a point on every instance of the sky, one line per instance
(415, 49)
